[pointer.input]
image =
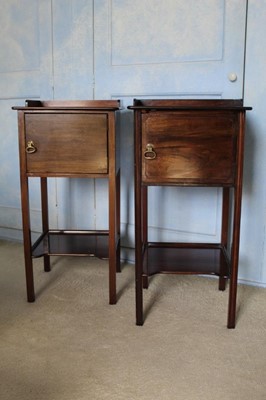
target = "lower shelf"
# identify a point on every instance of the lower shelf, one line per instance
(74, 243)
(185, 258)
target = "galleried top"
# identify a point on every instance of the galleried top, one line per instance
(104, 105)
(175, 104)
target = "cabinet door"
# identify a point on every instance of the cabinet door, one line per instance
(189, 148)
(67, 143)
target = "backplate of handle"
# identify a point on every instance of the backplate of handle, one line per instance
(149, 153)
(30, 148)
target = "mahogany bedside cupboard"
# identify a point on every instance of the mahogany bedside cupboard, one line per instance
(70, 139)
(188, 143)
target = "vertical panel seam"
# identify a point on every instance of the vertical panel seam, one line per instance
(245, 51)
(52, 47)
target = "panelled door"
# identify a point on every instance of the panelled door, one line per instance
(122, 49)
(25, 72)
(46, 53)
(160, 49)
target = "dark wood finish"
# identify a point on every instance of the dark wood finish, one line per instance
(224, 230)
(70, 139)
(45, 219)
(188, 143)
(84, 105)
(192, 104)
(74, 243)
(191, 148)
(67, 143)
(185, 258)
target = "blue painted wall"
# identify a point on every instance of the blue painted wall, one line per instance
(47, 50)
(253, 232)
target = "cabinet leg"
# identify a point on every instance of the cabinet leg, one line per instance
(46, 263)
(231, 322)
(113, 262)
(231, 318)
(118, 264)
(27, 238)
(224, 235)
(138, 256)
(45, 219)
(145, 280)
(28, 260)
(233, 281)
(139, 283)
(29, 281)
(222, 283)
(112, 293)
(236, 230)
(112, 268)
(139, 298)
(144, 231)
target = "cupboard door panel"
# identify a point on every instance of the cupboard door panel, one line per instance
(169, 49)
(191, 148)
(57, 151)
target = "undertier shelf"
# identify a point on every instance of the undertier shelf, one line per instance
(186, 258)
(73, 243)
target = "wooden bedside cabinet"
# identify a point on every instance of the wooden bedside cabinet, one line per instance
(70, 139)
(188, 143)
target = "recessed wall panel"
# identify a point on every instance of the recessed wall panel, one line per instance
(19, 39)
(155, 31)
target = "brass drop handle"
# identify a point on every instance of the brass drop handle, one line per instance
(149, 153)
(30, 148)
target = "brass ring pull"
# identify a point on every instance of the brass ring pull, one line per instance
(30, 147)
(149, 153)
